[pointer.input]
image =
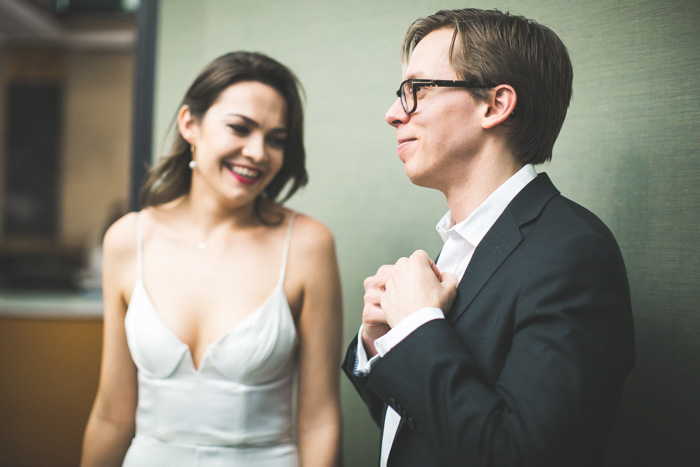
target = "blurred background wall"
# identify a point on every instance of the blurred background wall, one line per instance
(629, 151)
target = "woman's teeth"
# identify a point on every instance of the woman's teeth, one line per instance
(246, 172)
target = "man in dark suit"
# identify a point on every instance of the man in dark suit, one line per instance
(513, 349)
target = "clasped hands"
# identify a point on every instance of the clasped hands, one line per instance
(399, 290)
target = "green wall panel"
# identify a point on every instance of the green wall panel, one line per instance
(629, 151)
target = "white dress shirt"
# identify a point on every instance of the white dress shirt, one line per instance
(460, 241)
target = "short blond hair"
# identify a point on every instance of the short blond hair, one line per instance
(490, 46)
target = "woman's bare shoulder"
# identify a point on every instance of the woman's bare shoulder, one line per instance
(124, 231)
(119, 253)
(312, 236)
(121, 236)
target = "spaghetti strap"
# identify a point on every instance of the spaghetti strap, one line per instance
(285, 253)
(139, 245)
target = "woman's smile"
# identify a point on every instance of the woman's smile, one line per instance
(244, 174)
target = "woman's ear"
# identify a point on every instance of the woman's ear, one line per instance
(187, 125)
(501, 104)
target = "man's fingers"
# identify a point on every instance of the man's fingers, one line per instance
(435, 269)
(372, 283)
(372, 295)
(379, 279)
(373, 314)
(421, 255)
(448, 280)
(448, 284)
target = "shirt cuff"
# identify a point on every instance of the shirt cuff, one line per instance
(405, 327)
(362, 364)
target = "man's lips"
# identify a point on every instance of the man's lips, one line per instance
(405, 142)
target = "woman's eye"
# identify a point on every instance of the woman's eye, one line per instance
(276, 142)
(240, 129)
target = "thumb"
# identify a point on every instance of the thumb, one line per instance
(448, 280)
(448, 286)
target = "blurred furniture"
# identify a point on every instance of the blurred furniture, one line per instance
(50, 350)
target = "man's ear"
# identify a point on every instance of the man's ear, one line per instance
(187, 125)
(501, 104)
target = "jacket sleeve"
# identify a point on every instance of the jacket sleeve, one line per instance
(374, 404)
(569, 350)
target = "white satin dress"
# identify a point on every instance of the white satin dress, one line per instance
(236, 409)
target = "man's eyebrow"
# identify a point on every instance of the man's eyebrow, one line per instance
(417, 75)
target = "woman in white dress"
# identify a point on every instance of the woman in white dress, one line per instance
(217, 299)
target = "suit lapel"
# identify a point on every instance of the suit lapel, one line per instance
(501, 240)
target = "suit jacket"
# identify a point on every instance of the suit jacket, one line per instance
(528, 367)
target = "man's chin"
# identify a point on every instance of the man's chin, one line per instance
(418, 178)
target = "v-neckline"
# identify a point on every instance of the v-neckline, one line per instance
(198, 367)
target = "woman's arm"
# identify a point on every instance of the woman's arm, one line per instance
(110, 427)
(320, 329)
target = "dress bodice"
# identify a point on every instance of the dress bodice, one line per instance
(241, 393)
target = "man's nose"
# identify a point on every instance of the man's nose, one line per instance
(396, 115)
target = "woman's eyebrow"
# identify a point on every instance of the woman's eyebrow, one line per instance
(255, 124)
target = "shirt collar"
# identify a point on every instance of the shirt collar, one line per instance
(474, 228)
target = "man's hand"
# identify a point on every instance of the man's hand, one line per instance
(414, 283)
(374, 324)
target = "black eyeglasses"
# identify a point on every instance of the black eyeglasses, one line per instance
(408, 89)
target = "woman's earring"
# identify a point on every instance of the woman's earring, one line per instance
(193, 163)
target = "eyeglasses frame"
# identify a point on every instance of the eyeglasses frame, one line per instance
(416, 84)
